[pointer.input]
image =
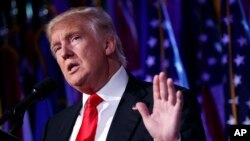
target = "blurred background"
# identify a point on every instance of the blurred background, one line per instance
(203, 45)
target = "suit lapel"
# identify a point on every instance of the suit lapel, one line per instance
(68, 121)
(126, 119)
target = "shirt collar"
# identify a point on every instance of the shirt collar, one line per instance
(114, 88)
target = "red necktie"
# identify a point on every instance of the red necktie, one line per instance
(90, 118)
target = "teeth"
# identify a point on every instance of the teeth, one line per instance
(72, 67)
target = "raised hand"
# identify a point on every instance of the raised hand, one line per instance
(163, 123)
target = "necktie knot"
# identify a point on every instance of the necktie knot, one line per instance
(94, 100)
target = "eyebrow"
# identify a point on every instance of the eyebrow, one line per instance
(66, 36)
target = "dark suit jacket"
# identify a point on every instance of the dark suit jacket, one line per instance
(127, 124)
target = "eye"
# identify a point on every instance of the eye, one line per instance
(56, 48)
(75, 39)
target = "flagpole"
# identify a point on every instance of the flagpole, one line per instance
(231, 72)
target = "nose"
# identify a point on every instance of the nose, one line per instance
(67, 52)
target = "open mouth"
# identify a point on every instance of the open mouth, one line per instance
(72, 67)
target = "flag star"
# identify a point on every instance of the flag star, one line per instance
(246, 121)
(242, 41)
(149, 78)
(211, 61)
(228, 19)
(205, 76)
(225, 39)
(166, 43)
(217, 47)
(248, 103)
(239, 60)
(209, 23)
(150, 61)
(154, 23)
(224, 59)
(231, 120)
(203, 37)
(237, 80)
(235, 100)
(152, 42)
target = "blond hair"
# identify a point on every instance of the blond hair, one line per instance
(100, 21)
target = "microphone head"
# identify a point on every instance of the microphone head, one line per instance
(44, 88)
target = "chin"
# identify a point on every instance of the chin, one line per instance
(74, 81)
(77, 83)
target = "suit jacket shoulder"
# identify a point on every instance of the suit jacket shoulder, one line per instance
(60, 126)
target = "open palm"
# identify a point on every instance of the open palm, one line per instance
(163, 123)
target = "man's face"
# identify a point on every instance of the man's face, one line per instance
(80, 54)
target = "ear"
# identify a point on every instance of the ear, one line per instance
(110, 45)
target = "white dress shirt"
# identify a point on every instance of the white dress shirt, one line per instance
(111, 94)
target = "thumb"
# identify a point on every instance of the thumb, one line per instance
(143, 110)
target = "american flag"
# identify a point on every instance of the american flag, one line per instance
(235, 38)
(162, 52)
(210, 69)
(223, 55)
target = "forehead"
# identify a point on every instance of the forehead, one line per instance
(69, 25)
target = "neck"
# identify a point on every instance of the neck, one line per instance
(111, 70)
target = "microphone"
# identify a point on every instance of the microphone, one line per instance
(39, 91)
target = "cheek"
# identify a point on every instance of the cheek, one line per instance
(87, 56)
(91, 55)
(61, 65)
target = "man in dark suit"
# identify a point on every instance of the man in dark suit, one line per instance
(89, 52)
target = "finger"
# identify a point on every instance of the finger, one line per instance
(156, 92)
(179, 100)
(163, 86)
(171, 91)
(143, 110)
